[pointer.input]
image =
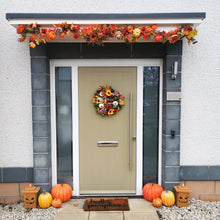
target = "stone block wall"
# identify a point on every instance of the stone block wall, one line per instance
(171, 118)
(41, 117)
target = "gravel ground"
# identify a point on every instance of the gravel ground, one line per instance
(18, 212)
(197, 210)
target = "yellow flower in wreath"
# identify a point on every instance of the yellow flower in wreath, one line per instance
(108, 92)
(122, 102)
(98, 101)
(111, 112)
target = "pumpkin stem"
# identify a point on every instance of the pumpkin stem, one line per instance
(44, 191)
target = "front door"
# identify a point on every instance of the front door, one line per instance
(107, 144)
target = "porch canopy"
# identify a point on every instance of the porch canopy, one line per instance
(139, 18)
(100, 28)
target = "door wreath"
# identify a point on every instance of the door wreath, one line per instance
(107, 101)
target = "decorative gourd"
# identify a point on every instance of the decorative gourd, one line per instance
(62, 192)
(56, 203)
(152, 191)
(157, 202)
(168, 198)
(44, 200)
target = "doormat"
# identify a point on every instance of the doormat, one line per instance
(106, 204)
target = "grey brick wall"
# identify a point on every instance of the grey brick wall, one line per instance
(41, 117)
(171, 118)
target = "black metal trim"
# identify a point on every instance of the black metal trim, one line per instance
(10, 16)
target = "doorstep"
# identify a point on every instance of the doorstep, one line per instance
(140, 209)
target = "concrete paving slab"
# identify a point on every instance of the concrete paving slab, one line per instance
(140, 205)
(70, 210)
(106, 215)
(71, 216)
(72, 206)
(139, 209)
(141, 215)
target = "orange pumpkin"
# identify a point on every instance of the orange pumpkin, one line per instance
(158, 38)
(152, 191)
(56, 203)
(156, 202)
(62, 192)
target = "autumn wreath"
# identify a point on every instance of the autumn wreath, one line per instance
(107, 101)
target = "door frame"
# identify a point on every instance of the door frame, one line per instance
(74, 64)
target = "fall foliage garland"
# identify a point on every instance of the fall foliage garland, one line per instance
(98, 34)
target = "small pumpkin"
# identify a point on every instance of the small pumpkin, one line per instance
(158, 38)
(44, 200)
(62, 192)
(56, 203)
(157, 202)
(168, 198)
(152, 191)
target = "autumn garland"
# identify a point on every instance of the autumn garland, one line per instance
(98, 34)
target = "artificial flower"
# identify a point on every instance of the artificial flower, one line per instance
(111, 112)
(22, 38)
(62, 35)
(146, 37)
(122, 102)
(43, 32)
(32, 44)
(136, 32)
(174, 38)
(98, 101)
(20, 28)
(115, 103)
(108, 106)
(154, 26)
(75, 36)
(101, 105)
(118, 35)
(116, 93)
(93, 36)
(130, 29)
(108, 92)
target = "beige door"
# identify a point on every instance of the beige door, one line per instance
(106, 169)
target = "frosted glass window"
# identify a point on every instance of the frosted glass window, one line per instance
(64, 125)
(150, 124)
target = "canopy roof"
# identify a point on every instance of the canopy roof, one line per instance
(134, 18)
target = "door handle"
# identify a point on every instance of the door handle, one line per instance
(130, 136)
(107, 143)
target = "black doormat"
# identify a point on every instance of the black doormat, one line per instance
(106, 204)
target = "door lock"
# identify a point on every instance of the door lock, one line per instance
(134, 138)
